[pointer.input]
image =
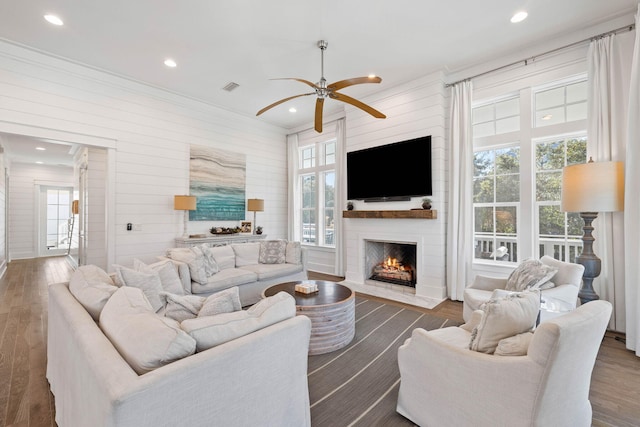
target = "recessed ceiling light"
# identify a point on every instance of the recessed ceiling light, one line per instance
(292, 110)
(39, 163)
(53, 19)
(519, 16)
(41, 148)
(170, 63)
(546, 117)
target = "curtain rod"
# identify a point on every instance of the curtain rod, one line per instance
(527, 60)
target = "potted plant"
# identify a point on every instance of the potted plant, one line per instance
(349, 205)
(426, 203)
(259, 229)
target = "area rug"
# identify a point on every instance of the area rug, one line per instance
(358, 385)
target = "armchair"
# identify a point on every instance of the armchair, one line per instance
(443, 383)
(567, 284)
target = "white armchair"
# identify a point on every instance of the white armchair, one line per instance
(567, 284)
(443, 383)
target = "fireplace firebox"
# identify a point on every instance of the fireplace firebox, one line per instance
(391, 262)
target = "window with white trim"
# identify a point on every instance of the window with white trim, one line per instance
(317, 177)
(521, 143)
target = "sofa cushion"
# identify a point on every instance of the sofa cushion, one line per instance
(246, 253)
(517, 345)
(530, 274)
(211, 331)
(503, 318)
(273, 252)
(149, 283)
(144, 339)
(167, 272)
(293, 253)
(92, 287)
(270, 271)
(226, 301)
(181, 307)
(225, 279)
(195, 261)
(224, 257)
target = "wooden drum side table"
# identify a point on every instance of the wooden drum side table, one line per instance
(331, 310)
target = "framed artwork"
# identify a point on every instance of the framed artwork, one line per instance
(245, 227)
(217, 179)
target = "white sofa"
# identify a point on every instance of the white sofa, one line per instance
(256, 379)
(205, 270)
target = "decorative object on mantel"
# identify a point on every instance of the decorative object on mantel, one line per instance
(413, 213)
(426, 203)
(184, 203)
(259, 229)
(255, 205)
(349, 205)
(225, 230)
(590, 188)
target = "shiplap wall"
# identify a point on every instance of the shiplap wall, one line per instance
(415, 109)
(152, 130)
(3, 207)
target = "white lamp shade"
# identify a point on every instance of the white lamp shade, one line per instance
(184, 203)
(255, 205)
(593, 187)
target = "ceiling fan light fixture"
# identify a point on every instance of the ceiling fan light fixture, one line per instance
(372, 76)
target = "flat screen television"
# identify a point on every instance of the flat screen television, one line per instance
(391, 172)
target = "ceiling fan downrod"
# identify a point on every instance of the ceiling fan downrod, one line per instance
(321, 90)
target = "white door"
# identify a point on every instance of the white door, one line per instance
(55, 220)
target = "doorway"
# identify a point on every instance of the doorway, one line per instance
(56, 220)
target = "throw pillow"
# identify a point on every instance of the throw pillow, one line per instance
(293, 253)
(195, 261)
(149, 283)
(224, 257)
(246, 253)
(181, 307)
(226, 301)
(167, 271)
(273, 252)
(517, 345)
(503, 318)
(210, 265)
(530, 273)
(211, 331)
(92, 287)
(144, 339)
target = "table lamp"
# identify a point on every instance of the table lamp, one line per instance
(255, 205)
(184, 203)
(590, 188)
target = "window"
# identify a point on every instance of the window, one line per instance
(58, 212)
(317, 186)
(521, 143)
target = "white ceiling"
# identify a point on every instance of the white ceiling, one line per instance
(250, 42)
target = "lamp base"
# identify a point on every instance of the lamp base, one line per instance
(592, 264)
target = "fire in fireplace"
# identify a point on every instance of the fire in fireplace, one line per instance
(393, 271)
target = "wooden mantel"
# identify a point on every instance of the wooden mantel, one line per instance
(413, 213)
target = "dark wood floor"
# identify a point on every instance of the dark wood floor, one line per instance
(25, 399)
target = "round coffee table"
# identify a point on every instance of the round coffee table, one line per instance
(331, 310)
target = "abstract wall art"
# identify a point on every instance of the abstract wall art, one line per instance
(217, 179)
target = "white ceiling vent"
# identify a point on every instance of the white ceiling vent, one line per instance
(230, 86)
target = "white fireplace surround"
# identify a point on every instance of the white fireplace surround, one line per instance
(428, 292)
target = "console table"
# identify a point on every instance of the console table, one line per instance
(219, 240)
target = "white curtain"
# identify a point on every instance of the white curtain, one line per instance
(632, 203)
(460, 210)
(294, 202)
(608, 84)
(340, 196)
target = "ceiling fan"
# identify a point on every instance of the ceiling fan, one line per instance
(322, 90)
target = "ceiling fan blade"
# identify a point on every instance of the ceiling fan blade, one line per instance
(281, 101)
(364, 107)
(354, 81)
(318, 122)
(307, 82)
